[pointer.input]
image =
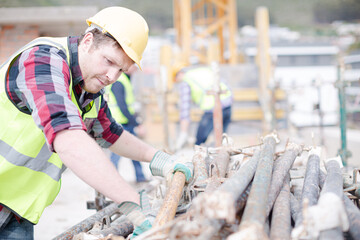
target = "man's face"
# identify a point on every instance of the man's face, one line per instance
(101, 66)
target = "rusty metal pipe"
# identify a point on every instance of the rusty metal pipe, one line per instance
(353, 213)
(333, 184)
(214, 225)
(281, 169)
(218, 169)
(253, 219)
(255, 209)
(237, 184)
(227, 198)
(168, 208)
(295, 209)
(281, 217)
(232, 188)
(311, 188)
(88, 223)
(217, 111)
(200, 169)
(241, 201)
(120, 227)
(222, 159)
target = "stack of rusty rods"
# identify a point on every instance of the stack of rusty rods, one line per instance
(265, 198)
(257, 192)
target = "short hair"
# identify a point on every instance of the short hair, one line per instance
(100, 38)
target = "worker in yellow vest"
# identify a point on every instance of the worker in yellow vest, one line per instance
(195, 85)
(121, 101)
(53, 114)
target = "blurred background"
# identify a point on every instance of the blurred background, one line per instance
(303, 54)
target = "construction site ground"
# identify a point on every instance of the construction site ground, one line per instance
(69, 208)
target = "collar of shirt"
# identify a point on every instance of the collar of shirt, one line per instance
(78, 80)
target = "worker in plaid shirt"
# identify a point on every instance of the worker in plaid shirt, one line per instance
(53, 114)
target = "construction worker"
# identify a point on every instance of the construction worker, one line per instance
(195, 85)
(121, 101)
(53, 114)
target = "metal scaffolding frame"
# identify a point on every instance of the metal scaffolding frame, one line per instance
(200, 19)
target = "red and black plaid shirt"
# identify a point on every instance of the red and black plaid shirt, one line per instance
(38, 83)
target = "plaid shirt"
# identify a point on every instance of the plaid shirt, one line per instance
(38, 83)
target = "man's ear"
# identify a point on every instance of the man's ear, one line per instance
(87, 41)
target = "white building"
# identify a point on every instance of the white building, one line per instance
(308, 74)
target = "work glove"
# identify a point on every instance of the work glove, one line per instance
(181, 141)
(164, 164)
(136, 216)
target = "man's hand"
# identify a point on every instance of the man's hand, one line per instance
(135, 214)
(164, 164)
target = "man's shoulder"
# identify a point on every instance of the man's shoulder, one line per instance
(45, 50)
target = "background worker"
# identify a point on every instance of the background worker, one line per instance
(121, 101)
(53, 114)
(194, 85)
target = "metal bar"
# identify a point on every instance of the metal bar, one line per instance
(228, 197)
(295, 209)
(322, 178)
(281, 217)
(200, 170)
(343, 152)
(88, 223)
(311, 189)
(218, 169)
(120, 227)
(354, 218)
(352, 211)
(333, 184)
(297, 176)
(214, 225)
(253, 219)
(222, 161)
(171, 200)
(214, 181)
(280, 170)
(217, 111)
(256, 206)
(237, 184)
(241, 201)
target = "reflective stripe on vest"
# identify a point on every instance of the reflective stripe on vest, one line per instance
(201, 80)
(129, 99)
(30, 174)
(20, 159)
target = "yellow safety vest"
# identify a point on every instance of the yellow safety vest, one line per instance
(30, 174)
(129, 99)
(201, 80)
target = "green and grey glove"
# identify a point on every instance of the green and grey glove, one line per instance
(164, 164)
(135, 214)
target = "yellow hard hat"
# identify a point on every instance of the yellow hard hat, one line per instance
(128, 28)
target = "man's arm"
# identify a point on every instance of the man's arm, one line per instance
(86, 159)
(132, 147)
